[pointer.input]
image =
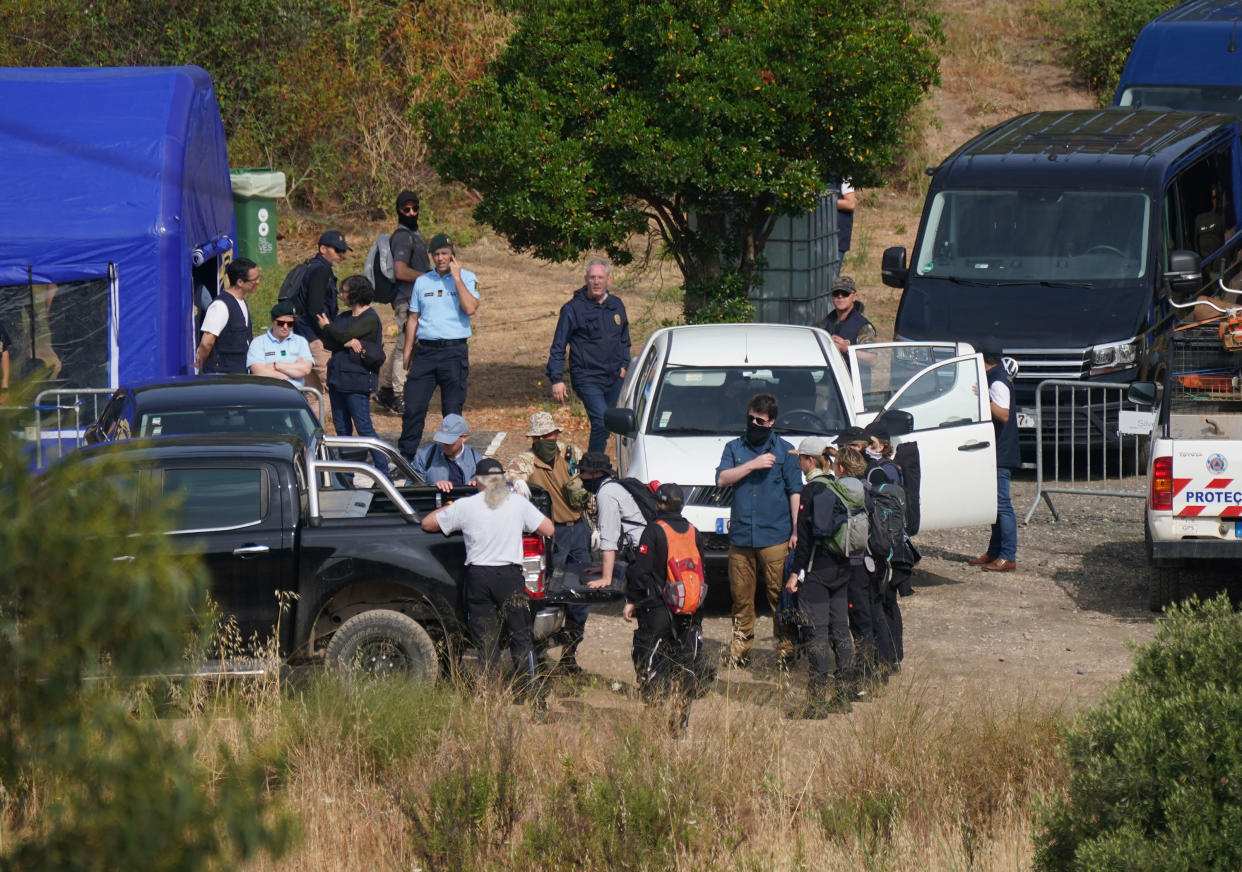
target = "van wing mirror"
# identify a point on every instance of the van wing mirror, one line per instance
(1184, 275)
(1142, 394)
(621, 421)
(893, 267)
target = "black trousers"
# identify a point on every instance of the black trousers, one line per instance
(665, 652)
(824, 603)
(446, 368)
(872, 640)
(495, 594)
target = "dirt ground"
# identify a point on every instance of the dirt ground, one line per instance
(1056, 628)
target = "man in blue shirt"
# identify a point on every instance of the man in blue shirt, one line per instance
(766, 480)
(595, 327)
(281, 353)
(441, 304)
(448, 462)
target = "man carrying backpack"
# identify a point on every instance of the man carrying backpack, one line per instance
(894, 553)
(409, 261)
(315, 296)
(664, 589)
(620, 519)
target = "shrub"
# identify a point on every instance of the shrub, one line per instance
(1156, 768)
(1098, 34)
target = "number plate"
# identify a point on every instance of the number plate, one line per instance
(1027, 419)
(722, 525)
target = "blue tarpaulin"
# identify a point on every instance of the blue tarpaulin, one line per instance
(110, 179)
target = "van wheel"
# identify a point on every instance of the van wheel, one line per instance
(1165, 584)
(383, 643)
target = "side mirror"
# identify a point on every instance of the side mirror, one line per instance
(1184, 275)
(621, 421)
(893, 267)
(897, 422)
(1142, 394)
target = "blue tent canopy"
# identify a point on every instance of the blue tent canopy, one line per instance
(116, 176)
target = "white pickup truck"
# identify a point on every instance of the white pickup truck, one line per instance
(686, 394)
(1194, 501)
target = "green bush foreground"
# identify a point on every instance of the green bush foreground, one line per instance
(1156, 769)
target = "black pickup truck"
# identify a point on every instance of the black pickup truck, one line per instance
(273, 515)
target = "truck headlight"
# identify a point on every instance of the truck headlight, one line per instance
(1114, 355)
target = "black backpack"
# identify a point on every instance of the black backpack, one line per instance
(642, 496)
(906, 456)
(887, 512)
(295, 279)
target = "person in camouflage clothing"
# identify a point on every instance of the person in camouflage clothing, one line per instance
(552, 465)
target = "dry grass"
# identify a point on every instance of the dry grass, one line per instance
(391, 777)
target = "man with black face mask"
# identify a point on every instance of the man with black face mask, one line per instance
(766, 482)
(409, 261)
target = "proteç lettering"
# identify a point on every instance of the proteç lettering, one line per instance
(1232, 498)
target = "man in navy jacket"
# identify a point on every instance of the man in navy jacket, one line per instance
(595, 327)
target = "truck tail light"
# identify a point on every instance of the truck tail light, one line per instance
(1160, 495)
(534, 563)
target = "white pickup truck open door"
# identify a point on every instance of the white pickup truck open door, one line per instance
(940, 391)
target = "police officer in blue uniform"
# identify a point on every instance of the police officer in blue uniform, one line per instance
(436, 331)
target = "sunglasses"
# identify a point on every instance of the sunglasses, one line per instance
(284, 323)
(762, 422)
(842, 293)
(409, 209)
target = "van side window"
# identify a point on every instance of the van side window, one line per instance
(1202, 213)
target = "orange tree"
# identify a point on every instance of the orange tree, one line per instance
(705, 118)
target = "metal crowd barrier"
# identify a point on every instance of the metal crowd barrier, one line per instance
(61, 417)
(1086, 434)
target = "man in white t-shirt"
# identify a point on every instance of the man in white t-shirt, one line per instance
(226, 333)
(493, 522)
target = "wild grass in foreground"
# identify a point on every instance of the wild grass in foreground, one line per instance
(385, 776)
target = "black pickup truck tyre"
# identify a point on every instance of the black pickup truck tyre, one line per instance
(383, 643)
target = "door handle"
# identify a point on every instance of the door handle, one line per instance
(250, 550)
(973, 446)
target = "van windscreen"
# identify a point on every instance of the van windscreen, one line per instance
(1035, 235)
(1226, 99)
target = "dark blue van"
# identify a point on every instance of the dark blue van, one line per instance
(1062, 235)
(1187, 59)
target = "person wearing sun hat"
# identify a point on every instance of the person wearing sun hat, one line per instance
(552, 465)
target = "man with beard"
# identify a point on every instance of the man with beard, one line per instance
(766, 482)
(409, 261)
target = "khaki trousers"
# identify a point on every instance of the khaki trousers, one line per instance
(746, 566)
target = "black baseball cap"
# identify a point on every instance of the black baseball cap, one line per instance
(334, 239)
(489, 466)
(852, 434)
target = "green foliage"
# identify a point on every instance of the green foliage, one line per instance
(640, 812)
(317, 88)
(1098, 34)
(1156, 769)
(722, 300)
(90, 595)
(707, 118)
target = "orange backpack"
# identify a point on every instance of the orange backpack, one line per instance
(685, 589)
